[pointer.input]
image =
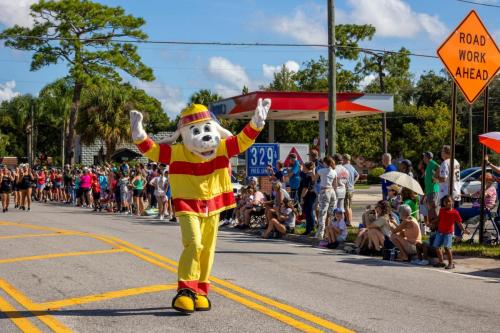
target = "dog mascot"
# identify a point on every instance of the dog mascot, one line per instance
(201, 188)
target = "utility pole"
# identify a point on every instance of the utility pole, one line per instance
(332, 86)
(63, 137)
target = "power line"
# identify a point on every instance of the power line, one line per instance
(479, 3)
(215, 43)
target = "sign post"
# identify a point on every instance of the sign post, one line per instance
(472, 58)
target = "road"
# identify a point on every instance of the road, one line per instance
(67, 269)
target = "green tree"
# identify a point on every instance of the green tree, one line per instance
(204, 97)
(284, 80)
(15, 123)
(104, 114)
(432, 88)
(81, 33)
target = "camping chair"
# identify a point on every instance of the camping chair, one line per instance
(492, 228)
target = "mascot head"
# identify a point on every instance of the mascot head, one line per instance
(201, 133)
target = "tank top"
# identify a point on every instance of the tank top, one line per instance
(6, 183)
(139, 184)
(26, 181)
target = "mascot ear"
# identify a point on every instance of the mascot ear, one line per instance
(171, 139)
(224, 133)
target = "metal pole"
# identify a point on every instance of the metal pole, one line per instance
(332, 87)
(63, 137)
(470, 137)
(32, 137)
(322, 131)
(453, 132)
(483, 166)
(270, 133)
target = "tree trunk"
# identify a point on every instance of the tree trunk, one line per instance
(70, 138)
(110, 149)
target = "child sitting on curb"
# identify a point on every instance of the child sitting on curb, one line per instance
(336, 232)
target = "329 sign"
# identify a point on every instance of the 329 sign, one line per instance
(259, 156)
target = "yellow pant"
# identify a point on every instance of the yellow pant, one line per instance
(199, 235)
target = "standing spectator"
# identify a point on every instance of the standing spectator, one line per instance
(40, 185)
(431, 188)
(138, 186)
(6, 179)
(342, 180)
(96, 192)
(123, 184)
(448, 218)
(85, 186)
(387, 163)
(276, 173)
(405, 166)
(444, 177)
(68, 185)
(308, 196)
(444, 182)
(160, 184)
(294, 179)
(351, 181)
(26, 178)
(327, 197)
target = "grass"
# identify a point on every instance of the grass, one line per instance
(361, 186)
(477, 250)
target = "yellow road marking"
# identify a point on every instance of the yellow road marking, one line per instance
(130, 248)
(53, 305)
(17, 318)
(36, 235)
(285, 307)
(58, 255)
(37, 311)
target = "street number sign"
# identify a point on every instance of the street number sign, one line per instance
(471, 56)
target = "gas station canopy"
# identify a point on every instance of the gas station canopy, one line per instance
(303, 105)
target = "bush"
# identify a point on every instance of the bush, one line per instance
(374, 175)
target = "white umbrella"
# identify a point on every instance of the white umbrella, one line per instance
(404, 180)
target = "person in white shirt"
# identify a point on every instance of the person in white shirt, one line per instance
(327, 197)
(160, 184)
(342, 180)
(443, 174)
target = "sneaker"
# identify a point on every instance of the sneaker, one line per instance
(161, 217)
(424, 262)
(323, 244)
(173, 219)
(415, 261)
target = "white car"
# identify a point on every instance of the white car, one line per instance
(470, 181)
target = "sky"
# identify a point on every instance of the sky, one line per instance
(180, 70)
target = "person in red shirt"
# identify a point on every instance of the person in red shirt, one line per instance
(448, 217)
(96, 192)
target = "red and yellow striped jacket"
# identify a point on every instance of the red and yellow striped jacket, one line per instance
(199, 187)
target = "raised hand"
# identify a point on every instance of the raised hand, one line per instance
(138, 132)
(260, 115)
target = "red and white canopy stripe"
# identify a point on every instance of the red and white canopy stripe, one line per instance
(303, 105)
(491, 140)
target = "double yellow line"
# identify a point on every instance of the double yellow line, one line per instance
(222, 287)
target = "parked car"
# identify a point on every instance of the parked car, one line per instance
(470, 181)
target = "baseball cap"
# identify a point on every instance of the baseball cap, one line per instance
(428, 154)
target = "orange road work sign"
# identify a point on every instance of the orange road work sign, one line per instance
(471, 56)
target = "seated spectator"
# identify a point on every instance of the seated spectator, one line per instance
(278, 196)
(254, 205)
(336, 232)
(410, 198)
(407, 234)
(376, 235)
(394, 197)
(490, 198)
(425, 250)
(282, 221)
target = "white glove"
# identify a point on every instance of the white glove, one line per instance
(138, 132)
(260, 115)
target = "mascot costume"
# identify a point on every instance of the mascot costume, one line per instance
(201, 188)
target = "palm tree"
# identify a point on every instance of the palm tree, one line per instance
(104, 115)
(204, 96)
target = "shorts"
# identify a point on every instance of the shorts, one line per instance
(123, 196)
(137, 193)
(40, 186)
(96, 196)
(348, 200)
(341, 238)
(443, 240)
(85, 190)
(57, 185)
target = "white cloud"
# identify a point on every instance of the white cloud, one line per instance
(16, 12)
(269, 70)
(7, 91)
(395, 18)
(496, 35)
(306, 25)
(391, 18)
(233, 76)
(367, 80)
(170, 97)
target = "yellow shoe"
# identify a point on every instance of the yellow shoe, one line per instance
(202, 303)
(184, 301)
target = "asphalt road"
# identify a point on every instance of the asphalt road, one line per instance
(66, 269)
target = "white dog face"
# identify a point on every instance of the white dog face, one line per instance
(202, 138)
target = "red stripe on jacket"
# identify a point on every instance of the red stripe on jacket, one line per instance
(198, 169)
(145, 145)
(232, 146)
(250, 132)
(204, 206)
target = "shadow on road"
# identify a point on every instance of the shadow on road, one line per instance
(257, 252)
(160, 311)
